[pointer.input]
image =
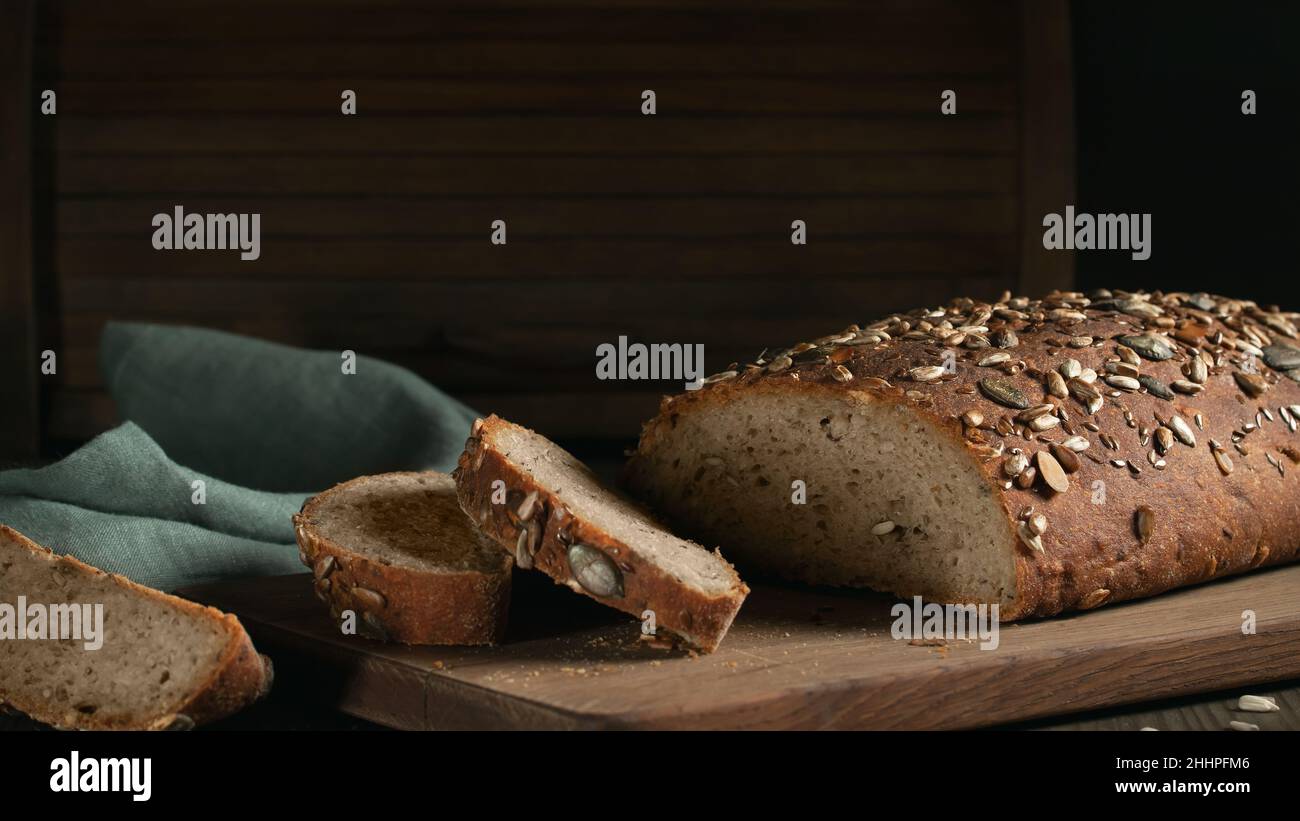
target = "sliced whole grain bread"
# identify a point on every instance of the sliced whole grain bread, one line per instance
(397, 551)
(551, 513)
(1043, 455)
(164, 662)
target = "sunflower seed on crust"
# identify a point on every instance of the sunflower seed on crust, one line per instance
(1122, 369)
(1225, 464)
(1251, 384)
(1005, 338)
(1030, 414)
(1078, 444)
(1085, 394)
(1164, 439)
(1052, 472)
(1069, 459)
(1094, 599)
(1182, 431)
(1055, 385)
(1043, 423)
(1030, 539)
(1026, 479)
(1015, 465)
(1144, 520)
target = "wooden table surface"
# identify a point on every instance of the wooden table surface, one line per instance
(289, 710)
(796, 658)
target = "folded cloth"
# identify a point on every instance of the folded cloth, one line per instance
(227, 436)
(273, 417)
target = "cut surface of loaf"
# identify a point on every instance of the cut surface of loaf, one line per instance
(164, 662)
(867, 465)
(550, 512)
(1043, 455)
(397, 550)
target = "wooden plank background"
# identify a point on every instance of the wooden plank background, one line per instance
(670, 228)
(19, 421)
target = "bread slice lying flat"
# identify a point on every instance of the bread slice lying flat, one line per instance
(397, 551)
(551, 513)
(1043, 455)
(164, 662)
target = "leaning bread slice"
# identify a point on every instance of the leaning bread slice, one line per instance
(159, 662)
(549, 511)
(397, 551)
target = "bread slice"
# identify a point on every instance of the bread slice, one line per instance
(164, 662)
(550, 512)
(397, 551)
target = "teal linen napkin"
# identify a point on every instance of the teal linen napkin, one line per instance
(259, 425)
(273, 417)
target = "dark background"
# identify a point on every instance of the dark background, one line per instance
(672, 228)
(1160, 130)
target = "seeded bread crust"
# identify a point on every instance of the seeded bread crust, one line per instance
(402, 604)
(698, 618)
(240, 677)
(1182, 515)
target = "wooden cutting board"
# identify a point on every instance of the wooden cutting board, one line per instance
(796, 658)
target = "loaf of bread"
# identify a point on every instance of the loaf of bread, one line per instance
(161, 662)
(397, 551)
(1044, 455)
(550, 512)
